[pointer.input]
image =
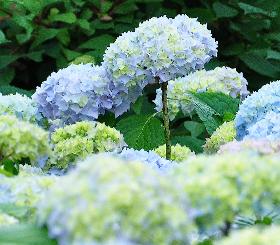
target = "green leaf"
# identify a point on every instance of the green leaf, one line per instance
(203, 15)
(105, 6)
(24, 234)
(213, 108)
(195, 128)
(6, 75)
(193, 143)
(84, 59)
(260, 65)
(26, 23)
(220, 102)
(3, 38)
(7, 89)
(70, 54)
(142, 132)
(68, 18)
(272, 54)
(224, 11)
(5, 60)
(143, 106)
(250, 9)
(10, 166)
(36, 56)
(63, 36)
(99, 43)
(43, 35)
(125, 8)
(83, 23)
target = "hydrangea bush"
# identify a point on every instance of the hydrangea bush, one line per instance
(18, 105)
(221, 79)
(22, 140)
(77, 141)
(117, 201)
(255, 108)
(178, 152)
(224, 134)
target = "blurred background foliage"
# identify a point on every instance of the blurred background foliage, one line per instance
(41, 36)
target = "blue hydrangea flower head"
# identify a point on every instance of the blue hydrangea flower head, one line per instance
(162, 48)
(255, 108)
(76, 93)
(124, 61)
(222, 79)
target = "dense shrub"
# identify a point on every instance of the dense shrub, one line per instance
(47, 35)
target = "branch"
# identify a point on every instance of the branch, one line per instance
(165, 118)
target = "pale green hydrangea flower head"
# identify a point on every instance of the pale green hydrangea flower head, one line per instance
(224, 134)
(22, 140)
(222, 79)
(178, 153)
(253, 236)
(77, 141)
(223, 186)
(108, 199)
(25, 189)
(6, 220)
(18, 105)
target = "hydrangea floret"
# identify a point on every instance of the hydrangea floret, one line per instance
(77, 141)
(76, 93)
(178, 153)
(114, 200)
(222, 79)
(266, 128)
(18, 105)
(223, 186)
(257, 146)
(253, 236)
(256, 107)
(150, 158)
(223, 134)
(22, 140)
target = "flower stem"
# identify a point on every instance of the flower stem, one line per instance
(166, 119)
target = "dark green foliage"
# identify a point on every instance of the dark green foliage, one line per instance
(38, 37)
(142, 132)
(214, 108)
